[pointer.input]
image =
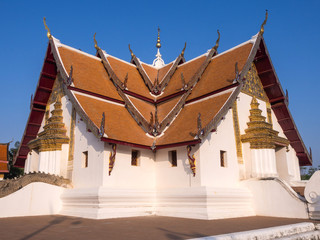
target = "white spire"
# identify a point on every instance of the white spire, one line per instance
(158, 62)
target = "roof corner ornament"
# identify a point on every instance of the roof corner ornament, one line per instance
(184, 48)
(310, 152)
(218, 40)
(264, 23)
(287, 97)
(156, 85)
(192, 160)
(154, 124)
(46, 27)
(199, 126)
(184, 84)
(102, 125)
(124, 84)
(96, 43)
(132, 54)
(69, 80)
(237, 78)
(158, 62)
(153, 146)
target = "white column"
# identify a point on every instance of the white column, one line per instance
(49, 162)
(263, 163)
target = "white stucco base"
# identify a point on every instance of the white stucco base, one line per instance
(273, 197)
(204, 203)
(198, 202)
(34, 199)
(103, 202)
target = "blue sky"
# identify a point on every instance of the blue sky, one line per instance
(292, 36)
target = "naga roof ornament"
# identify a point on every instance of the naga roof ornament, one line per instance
(218, 40)
(264, 23)
(46, 27)
(96, 43)
(158, 62)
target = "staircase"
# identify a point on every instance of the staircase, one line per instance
(297, 231)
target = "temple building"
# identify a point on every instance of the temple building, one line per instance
(4, 157)
(207, 138)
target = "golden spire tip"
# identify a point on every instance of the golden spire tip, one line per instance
(46, 27)
(158, 40)
(95, 42)
(218, 40)
(264, 23)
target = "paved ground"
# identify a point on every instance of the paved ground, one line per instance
(151, 227)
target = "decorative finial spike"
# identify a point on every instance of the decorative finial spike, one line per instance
(132, 55)
(264, 23)
(96, 43)
(46, 27)
(184, 48)
(218, 40)
(158, 40)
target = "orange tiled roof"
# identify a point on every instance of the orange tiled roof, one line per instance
(221, 71)
(119, 124)
(4, 158)
(186, 121)
(88, 73)
(3, 152)
(127, 107)
(124, 125)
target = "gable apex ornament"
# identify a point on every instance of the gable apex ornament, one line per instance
(46, 27)
(264, 23)
(158, 62)
(96, 43)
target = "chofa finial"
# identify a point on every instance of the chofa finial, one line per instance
(158, 40)
(46, 27)
(96, 43)
(264, 23)
(218, 40)
(184, 48)
(132, 54)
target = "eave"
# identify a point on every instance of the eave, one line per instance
(279, 104)
(38, 105)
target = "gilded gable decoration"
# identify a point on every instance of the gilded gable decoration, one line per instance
(260, 133)
(54, 133)
(253, 85)
(56, 91)
(236, 127)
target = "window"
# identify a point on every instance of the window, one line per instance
(223, 158)
(84, 159)
(173, 158)
(135, 155)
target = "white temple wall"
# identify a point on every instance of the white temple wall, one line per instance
(168, 176)
(212, 173)
(124, 175)
(87, 146)
(32, 162)
(64, 160)
(284, 164)
(276, 126)
(247, 161)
